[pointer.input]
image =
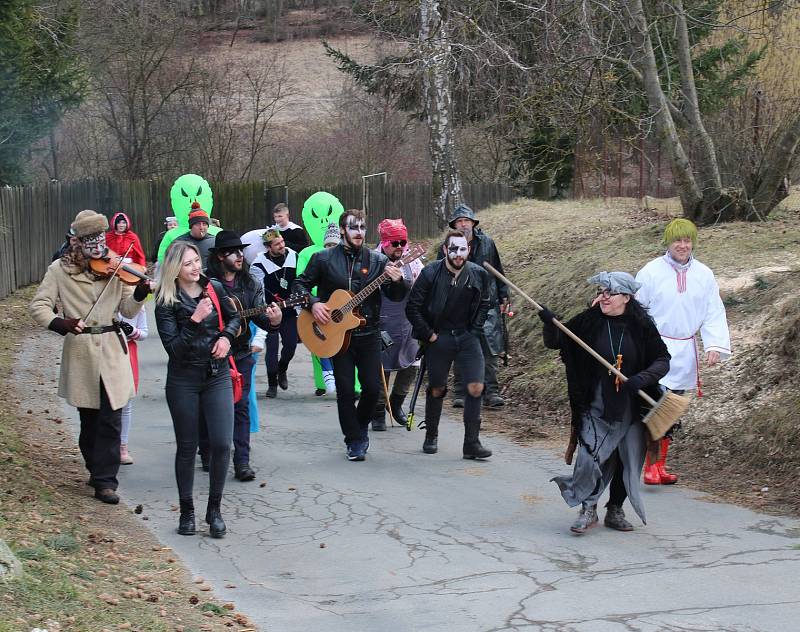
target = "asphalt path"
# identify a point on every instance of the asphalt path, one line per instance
(408, 541)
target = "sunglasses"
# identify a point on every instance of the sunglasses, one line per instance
(607, 293)
(398, 244)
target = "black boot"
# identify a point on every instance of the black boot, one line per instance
(397, 409)
(216, 525)
(272, 385)
(472, 444)
(243, 472)
(283, 381)
(379, 422)
(186, 523)
(431, 444)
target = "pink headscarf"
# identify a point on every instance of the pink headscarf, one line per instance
(391, 230)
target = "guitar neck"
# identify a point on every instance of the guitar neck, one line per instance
(253, 311)
(376, 283)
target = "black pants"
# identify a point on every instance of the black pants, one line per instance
(189, 391)
(99, 442)
(287, 336)
(364, 354)
(616, 491)
(489, 377)
(241, 413)
(464, 349)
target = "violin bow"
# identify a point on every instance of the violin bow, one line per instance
(111, 278)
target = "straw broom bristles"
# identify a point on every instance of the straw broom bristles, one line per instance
(664, 413)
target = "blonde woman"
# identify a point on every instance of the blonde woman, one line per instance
(198, 379)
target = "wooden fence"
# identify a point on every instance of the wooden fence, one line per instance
(33, 220)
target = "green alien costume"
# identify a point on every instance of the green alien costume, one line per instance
(188, 188)
(319, 210)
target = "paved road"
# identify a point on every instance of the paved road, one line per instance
(408, 541)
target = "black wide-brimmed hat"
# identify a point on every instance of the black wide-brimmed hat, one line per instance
(227, 240)
(462, 210)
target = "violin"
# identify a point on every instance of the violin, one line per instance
(111, 264)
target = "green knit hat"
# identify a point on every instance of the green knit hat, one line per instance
(678, 229)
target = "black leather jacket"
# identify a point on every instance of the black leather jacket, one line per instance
(482, 248)
(249, 294)
(429, 296)
(337, 268)
(189, 343)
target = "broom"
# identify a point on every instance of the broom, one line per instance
(664, 413)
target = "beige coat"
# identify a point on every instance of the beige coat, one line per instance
(88, 358)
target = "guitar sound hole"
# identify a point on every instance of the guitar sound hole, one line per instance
(336, 316)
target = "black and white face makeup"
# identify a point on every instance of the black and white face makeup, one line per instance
(354, 232)
(457, 251)
(94, 246)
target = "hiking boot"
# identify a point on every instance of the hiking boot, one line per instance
(243, 472)
(474, 450)
(494, 401)
(272, 385)
(397, 410)
(587, 518)
(124, 456)
(615, 519)
(458, 402)
(106, 495)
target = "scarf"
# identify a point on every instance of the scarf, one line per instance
(680, 270)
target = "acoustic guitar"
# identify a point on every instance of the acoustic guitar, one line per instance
(325, 341)
(294, 300)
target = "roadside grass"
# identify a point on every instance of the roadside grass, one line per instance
(86, 566)
(734, 438)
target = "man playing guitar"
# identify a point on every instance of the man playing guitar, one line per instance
(226, 264)
(351, 266)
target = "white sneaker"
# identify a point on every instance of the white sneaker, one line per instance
(330, 382)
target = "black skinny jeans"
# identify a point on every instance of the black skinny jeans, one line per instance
(287, 337)
(364, 353)
(189, 390)
(99, 442)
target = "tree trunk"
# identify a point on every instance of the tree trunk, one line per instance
(645, 60)
(435, 45)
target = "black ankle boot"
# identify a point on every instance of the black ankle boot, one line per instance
(431, 444)
(472, 444)
(272, 385)
(186, 523)
(283, 380)
(216, 525)
(397, 410)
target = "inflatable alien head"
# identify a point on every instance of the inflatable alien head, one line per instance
(319, 210)
(187, 189)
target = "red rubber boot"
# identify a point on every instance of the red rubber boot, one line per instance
(651, 475)
(666, 477)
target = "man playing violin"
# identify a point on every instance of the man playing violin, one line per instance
(95, 374)
(226, 264)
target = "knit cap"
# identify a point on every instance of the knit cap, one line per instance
(332, 235)
(198, 215)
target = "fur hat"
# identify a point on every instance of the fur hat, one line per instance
(89, 223)
(332, 235)
(198, 215)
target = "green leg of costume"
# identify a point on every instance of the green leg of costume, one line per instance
(318, 381)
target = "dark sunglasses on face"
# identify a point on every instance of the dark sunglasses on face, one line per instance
(398, 244)
(607, 293)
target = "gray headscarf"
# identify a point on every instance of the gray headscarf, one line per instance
(619, 282)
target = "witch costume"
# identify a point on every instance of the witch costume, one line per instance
(606, 417)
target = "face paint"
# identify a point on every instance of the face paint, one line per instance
(355, 230)
(94, 246)
(457, 248)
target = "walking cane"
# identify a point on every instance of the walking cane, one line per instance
(415, 393)
(664, 412)
(386, 394)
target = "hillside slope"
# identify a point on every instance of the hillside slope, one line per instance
(742, 439)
